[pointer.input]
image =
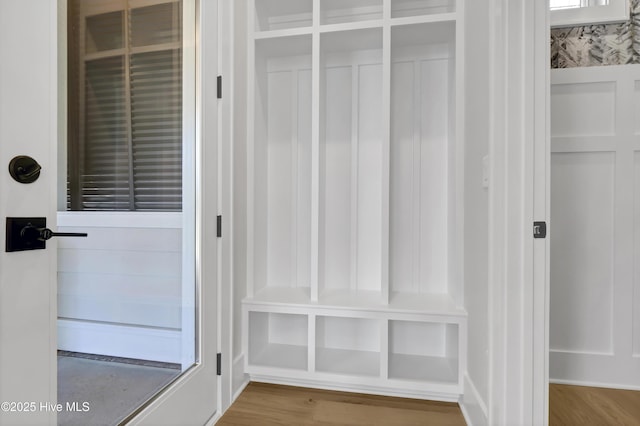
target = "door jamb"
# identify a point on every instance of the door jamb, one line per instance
(519, 194)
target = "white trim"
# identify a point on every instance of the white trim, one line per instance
(518, 266)
(226, 23)
(541, 251)
(240, 379)
(214, 419)
(474, 408)
(124, 341)
(85, 219)
(193, 397)
(359, 388)
(576, 352)
(594, 384)
(190, 183)
(615, 11)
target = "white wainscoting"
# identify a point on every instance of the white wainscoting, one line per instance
(119, 289)
(595, 232)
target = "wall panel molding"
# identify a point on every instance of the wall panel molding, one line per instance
(595, 181)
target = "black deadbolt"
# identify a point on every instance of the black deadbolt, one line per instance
(24, 169)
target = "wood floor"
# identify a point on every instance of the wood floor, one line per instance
(262, 405)
(581, 405)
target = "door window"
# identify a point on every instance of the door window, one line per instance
(126, 293)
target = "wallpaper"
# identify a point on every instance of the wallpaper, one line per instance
(591, 45)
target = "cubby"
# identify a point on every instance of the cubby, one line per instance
(348, 346)
(351, 138)
(282, 14)
(354, 208)
(340, 11)
(282, 162)
(423, 159)
(423, 351)
(278, 340)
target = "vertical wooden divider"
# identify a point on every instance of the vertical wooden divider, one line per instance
(250, 149)
(384, 348)
(311, 346)
(386, 150)
(315, 151)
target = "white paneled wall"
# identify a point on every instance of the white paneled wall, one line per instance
(119, 289)
(595, 226)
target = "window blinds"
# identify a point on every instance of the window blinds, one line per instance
(126, 153)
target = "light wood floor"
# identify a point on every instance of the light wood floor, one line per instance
(262, 405)
(581, 405)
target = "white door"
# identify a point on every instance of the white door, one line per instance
(32, 122)
(27, 280)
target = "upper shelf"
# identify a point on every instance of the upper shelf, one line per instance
(405, 8)
(278, 18)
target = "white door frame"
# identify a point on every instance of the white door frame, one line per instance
(186, 391)
(519, 195)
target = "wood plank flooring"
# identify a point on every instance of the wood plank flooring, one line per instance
(582, 405)
(264, 404)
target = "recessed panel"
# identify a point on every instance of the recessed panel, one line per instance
(583, 109)
(369, 177)
(582, 226)
(280, 167)
(335, 190)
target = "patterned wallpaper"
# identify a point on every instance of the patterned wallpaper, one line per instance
(591, 45)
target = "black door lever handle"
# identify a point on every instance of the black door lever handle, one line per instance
(32, 233)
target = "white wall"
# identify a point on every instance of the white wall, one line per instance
(595, 214)
(477, 119)
(119, 289)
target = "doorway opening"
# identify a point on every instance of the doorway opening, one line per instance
(594, 333)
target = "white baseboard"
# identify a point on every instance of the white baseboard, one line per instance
(214, 419)
(374, 390)
(593, 384)
(472, 405)
(240, 380)
(124, 341)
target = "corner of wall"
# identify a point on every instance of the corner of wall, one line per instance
(473, 407)
(240, 380)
